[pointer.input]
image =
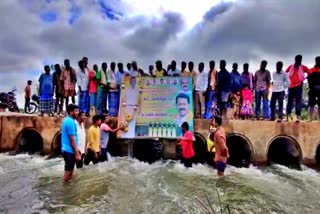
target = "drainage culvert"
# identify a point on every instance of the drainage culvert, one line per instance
(318, 155)
(147, 150)
(56, 145)
(200, 149)
(29, 141)
(240, 151)
(114, 147)
(286, 151)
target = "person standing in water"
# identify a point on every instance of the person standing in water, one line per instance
(222, 152)
(186, 143)
(93, 144)
(69, 142)
(105, 130)
(81, 137)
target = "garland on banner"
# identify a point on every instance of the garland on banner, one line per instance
(128, 117)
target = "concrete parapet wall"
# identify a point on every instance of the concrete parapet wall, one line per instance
(258, 134)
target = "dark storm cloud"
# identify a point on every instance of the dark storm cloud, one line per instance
(247, 30)
(217, 10)
(150, 38)
(252, 30)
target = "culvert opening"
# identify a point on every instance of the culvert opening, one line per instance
(29, 141)
(240, 151)
(147, 150)
(285, 151)
(114, 148)
(56, 145)
(200, 149)
(318, 155)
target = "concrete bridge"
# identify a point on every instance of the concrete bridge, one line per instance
(257, 142)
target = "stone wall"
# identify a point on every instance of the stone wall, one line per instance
(258, 134)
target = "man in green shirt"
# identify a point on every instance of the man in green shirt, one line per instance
(102, 80)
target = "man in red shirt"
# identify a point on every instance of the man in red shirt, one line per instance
(314, 88)
(186, 143)
(296, 76)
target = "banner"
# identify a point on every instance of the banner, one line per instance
(155, 107)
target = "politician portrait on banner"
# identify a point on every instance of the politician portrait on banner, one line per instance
(155, 107)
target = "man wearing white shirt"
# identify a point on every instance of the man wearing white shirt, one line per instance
(200, 87)
(134, 72)
(173, 71)
(113, 95)
(81, 137)
(280, 83)
(83, 83)
(86, 66)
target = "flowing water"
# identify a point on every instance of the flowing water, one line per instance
(31, 184)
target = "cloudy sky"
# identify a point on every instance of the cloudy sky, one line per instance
(38, 32)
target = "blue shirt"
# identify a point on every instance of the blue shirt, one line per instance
(224, 81)
(69, 128)
(46, 84)
(119, 77)
(236, 81)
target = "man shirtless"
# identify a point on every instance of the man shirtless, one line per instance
(222, 152)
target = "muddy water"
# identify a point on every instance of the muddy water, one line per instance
(31, 184)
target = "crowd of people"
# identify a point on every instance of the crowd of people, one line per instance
(81, 148)
(213, 92)
(99, 89)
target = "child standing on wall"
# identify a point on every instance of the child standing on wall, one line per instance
(247, 100)
(236, 104)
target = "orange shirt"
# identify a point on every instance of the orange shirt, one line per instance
(222, 151)
(213, 79)
(295, 79)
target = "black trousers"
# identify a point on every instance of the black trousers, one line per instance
(295, 94)
(277, 97)
(91, 156)
(26, 101)
(103, 156)
(187, 162)
(79, 164)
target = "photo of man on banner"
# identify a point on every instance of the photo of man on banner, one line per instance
(184, 112)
